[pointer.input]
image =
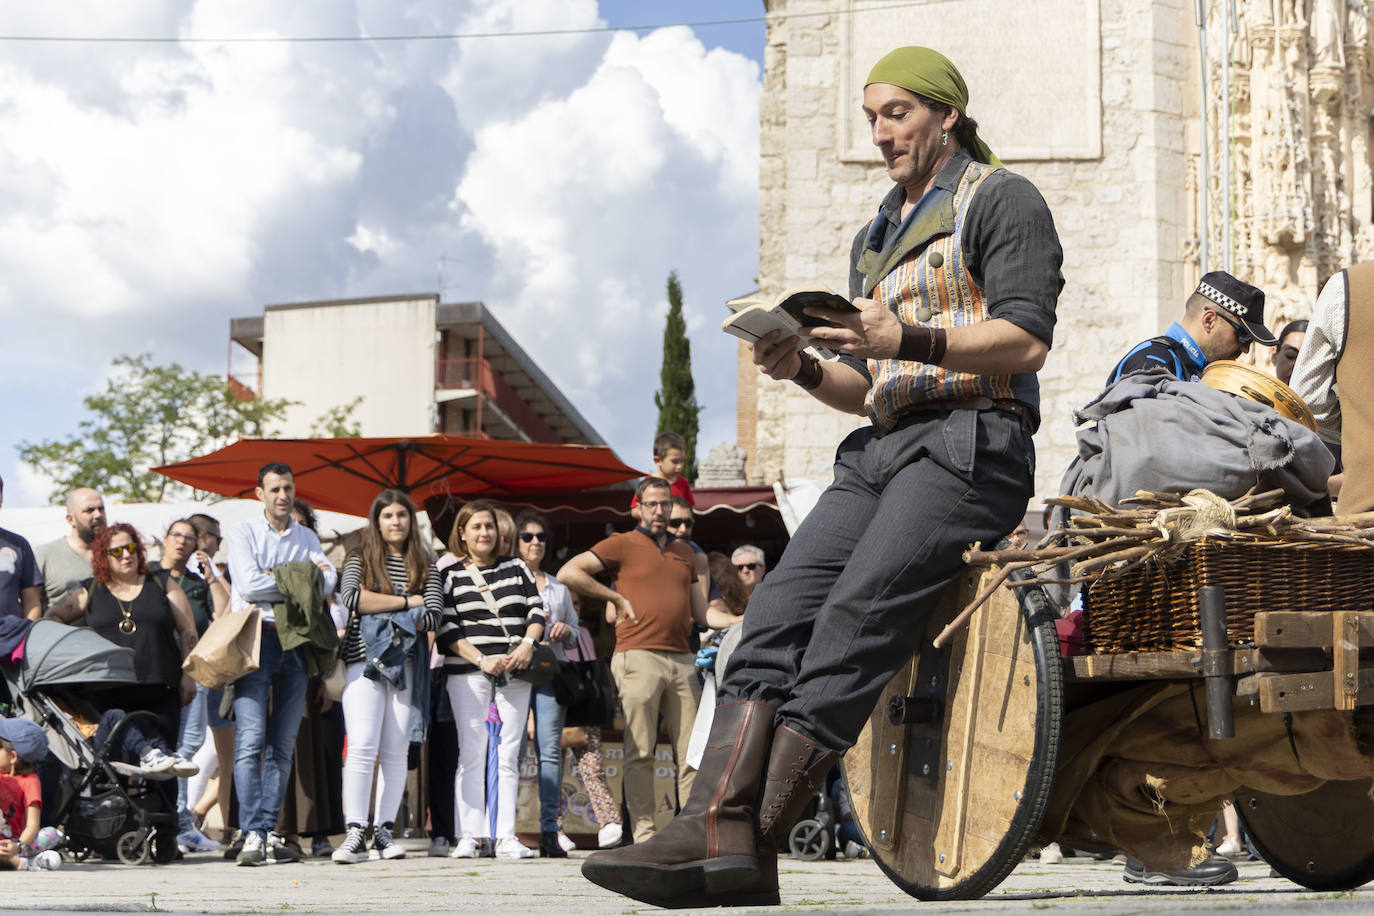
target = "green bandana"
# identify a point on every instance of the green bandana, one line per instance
(931, 74)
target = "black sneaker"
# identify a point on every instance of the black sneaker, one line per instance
(1212, 872)
(354, 847)
(233, 845)
(384, 846)
(278, 853)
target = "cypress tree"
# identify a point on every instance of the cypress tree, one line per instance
(676, 398)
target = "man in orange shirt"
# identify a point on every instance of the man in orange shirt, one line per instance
(653, 607)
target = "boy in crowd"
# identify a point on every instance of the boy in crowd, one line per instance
(23, 845)
(670, 456)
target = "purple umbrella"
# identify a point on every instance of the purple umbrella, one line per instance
(493, 764)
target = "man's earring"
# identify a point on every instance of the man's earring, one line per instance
(944, 139)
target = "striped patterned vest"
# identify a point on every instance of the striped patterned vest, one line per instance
(923, 279)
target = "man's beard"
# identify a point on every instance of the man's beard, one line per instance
(88, 535)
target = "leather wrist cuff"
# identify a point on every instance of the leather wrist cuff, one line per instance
(922, 344)
(810, 375)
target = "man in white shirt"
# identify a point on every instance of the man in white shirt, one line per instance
(1334, 375)
(266, 732)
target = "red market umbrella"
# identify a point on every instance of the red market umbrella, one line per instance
(344, 475)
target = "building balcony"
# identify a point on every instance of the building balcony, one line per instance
(474, 380)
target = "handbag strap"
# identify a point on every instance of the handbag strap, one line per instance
(484, 590)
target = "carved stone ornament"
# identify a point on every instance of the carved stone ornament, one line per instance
(1299, 163)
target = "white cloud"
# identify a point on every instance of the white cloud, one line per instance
(154, 191)
(650, 166)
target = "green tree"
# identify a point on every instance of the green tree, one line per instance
(676, 398)
(338, 422)
(148, 415)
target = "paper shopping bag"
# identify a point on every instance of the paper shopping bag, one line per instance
(227, 651)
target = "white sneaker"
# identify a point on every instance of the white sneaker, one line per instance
(47, 860)
(183, 768)
(565, 843)
(1231, 849)
(465, 848)
(508, 847)
(353, 849)
(1052, 855)
(195, 841)
(154, 761)
(438, 847)
(609, 836)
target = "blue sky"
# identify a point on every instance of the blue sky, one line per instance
(155, 191)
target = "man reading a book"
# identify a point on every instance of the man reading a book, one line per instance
(956, 281)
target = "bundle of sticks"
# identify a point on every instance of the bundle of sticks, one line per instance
(1099, 540)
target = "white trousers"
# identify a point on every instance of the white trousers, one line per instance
(469, 695)
(377, 720)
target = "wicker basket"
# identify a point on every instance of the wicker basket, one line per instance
(1154, 607)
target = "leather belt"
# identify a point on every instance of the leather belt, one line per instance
(1009, 405)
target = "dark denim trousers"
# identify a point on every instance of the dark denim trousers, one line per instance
(843, 609)
(266, 735)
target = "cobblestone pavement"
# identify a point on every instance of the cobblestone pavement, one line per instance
(206, 883)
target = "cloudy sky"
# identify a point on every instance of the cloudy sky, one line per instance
(154, 190)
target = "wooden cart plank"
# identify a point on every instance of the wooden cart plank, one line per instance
(1345, 658)
(1306, 629)
(1186, 663)
(1292, 692)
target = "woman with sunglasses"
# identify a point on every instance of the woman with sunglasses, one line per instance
(390, 581)
(148, 613)
(548, 712)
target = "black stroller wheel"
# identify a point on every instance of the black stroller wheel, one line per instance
(809, 840)
(133, 847)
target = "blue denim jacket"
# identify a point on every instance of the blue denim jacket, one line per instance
(393, 642)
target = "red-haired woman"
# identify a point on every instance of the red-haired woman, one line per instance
(148, 613)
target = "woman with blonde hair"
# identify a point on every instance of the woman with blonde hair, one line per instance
(492, 618)
(393, 596)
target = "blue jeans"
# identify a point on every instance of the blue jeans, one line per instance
(264, 743)
(548, 734)
(192, 737)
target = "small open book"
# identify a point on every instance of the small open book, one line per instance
(753, 318)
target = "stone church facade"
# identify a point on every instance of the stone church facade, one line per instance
(1097, 102)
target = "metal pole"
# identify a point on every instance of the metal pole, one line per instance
(1216, 662)
(1205, 194)
(1225, 115)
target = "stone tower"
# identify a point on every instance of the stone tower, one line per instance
(1097, 102)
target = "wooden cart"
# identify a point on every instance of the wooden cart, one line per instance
(953, 772)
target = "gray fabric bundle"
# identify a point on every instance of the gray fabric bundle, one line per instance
(1153, 432)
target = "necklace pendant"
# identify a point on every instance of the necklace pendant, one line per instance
(127, 625)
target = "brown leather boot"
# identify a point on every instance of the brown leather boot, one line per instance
(795, 773)
(709, 854)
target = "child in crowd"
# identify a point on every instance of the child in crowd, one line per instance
(670, 455)
(23, 843)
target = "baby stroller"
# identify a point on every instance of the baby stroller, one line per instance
(103, 807)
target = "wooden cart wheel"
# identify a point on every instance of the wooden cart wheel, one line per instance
(951, 776)
(1323, 840)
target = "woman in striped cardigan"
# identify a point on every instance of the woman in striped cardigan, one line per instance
(492, 618)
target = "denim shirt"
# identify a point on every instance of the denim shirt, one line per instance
(394, 642)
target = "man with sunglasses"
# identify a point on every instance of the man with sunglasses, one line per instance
(1221, 318)
(749, 563)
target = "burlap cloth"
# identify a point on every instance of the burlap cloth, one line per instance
(1138, 774)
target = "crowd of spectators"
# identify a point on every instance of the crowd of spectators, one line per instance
(438, 652)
